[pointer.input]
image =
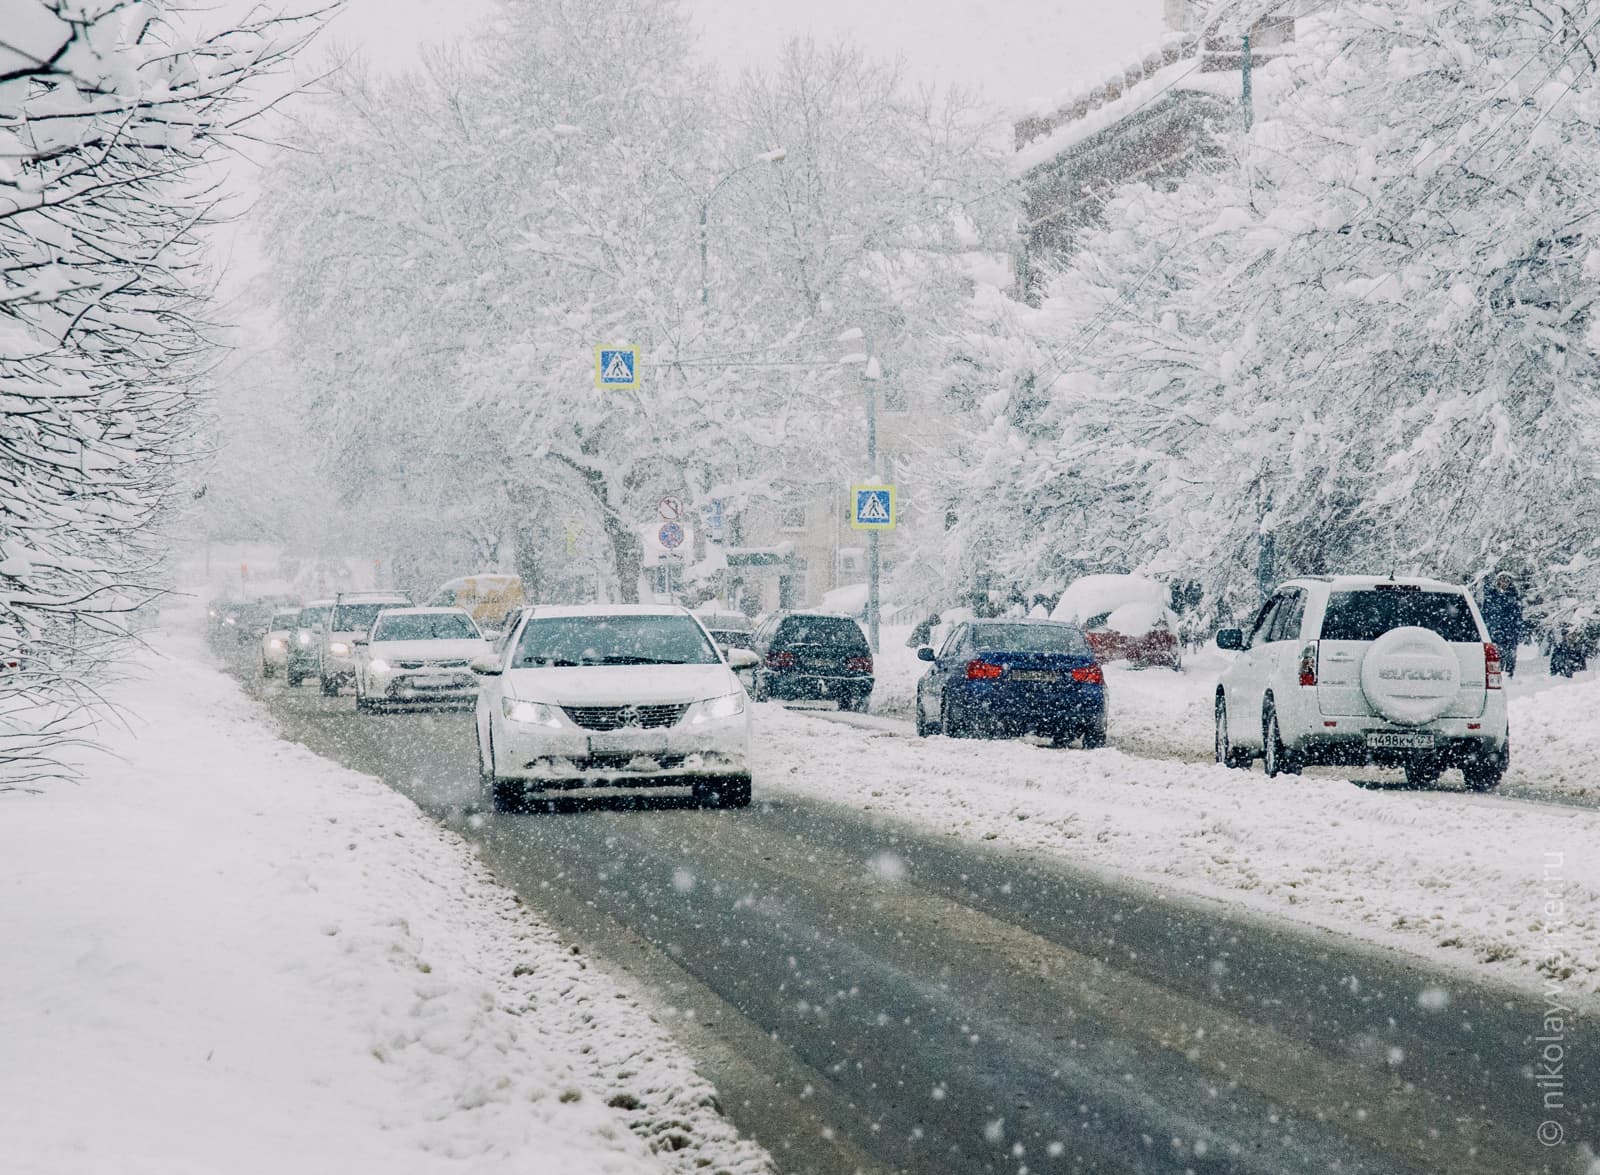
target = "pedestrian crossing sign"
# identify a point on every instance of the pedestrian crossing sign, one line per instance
(616, 368)
(874, 507)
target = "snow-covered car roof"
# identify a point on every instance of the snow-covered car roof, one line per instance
(437, 610)
(369, 598)
(1346, 582)
(547, 611)
(487, 577)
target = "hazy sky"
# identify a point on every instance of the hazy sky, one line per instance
(1010, 51)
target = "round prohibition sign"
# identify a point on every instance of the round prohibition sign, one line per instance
(670, 509)
(671, 536)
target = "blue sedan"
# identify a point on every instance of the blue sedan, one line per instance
(1011, 677)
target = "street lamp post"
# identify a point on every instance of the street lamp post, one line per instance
(870, 372)
(776, 155)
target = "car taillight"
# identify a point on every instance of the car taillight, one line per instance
(858, 664)
(1491, 667)
(780, 660)
(1090, 675)
(983, 670)
(1308, 664)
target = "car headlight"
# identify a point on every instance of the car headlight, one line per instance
(275, 643)
(530, 713)
(378, 665)
(229, 620)
(711, 709)
(304, 638)
(339, 649)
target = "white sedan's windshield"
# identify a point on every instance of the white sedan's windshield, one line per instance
(613, 640)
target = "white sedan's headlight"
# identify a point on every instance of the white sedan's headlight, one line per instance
(379, 665)
(530, 713)
(727, 706)
(275, 643)
(339, 649)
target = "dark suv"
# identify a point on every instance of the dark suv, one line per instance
(809, 656)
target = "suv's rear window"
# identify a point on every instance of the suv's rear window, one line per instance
(829, 632)
(1366, 615)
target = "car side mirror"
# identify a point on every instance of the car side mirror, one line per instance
(742, 659)
(925, 654)
(1231, 639)
(485, 666)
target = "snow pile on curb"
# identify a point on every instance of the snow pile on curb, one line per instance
(1466, 880)
(1555, 738)
(227, 954)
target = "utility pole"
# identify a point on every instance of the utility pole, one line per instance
(1249, 113)
(869, 379)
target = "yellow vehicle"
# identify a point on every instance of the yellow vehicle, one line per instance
(490, 598)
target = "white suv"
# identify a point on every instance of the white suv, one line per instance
(1354, 669)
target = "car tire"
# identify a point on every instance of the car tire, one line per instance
(858, 705)
(758, 692)
(1485, 774)
(924, 727)
(266, 671)
(1227, 754)
(1276, 759)
(364, 704)
(723, 792)
(330, 686)
(1094, 737)
(501, 795)
(1422, 772)
(292, 678)
(949, 725)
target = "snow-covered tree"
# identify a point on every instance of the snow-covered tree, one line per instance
(1368, 330)
(471, 233)
(110, 115)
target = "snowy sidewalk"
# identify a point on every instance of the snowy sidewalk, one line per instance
(226, 954)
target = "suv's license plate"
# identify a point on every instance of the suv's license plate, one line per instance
(1400, 740)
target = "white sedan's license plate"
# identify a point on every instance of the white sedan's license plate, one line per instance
(625, 744)
(431, 682)
(1399, 740)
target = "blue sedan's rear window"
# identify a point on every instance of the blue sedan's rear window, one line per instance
(1031, 638)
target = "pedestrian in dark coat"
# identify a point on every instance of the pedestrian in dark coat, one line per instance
(1502, 613)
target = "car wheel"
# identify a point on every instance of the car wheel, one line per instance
(723, 792)
(1275, 757)
(924, 727)
(949, 725)
(501, 795)
(266, 670)
(1094, 737)
(330, 686)
(758, 692)
(293, 678)
(1422, 772)
(859, 705)
(1227, 754)
(1483, 774)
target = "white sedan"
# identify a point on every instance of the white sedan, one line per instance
(418, 655)
(625, 696)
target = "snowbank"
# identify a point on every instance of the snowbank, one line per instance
(226, 954)
(1093, 594)
(1463, 879)
(1555, 734)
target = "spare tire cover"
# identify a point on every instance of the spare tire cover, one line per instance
(1410, 675)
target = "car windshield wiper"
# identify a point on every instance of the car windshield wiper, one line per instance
(543, 663)
(634, 659)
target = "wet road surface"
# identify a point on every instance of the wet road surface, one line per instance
(867, 998)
